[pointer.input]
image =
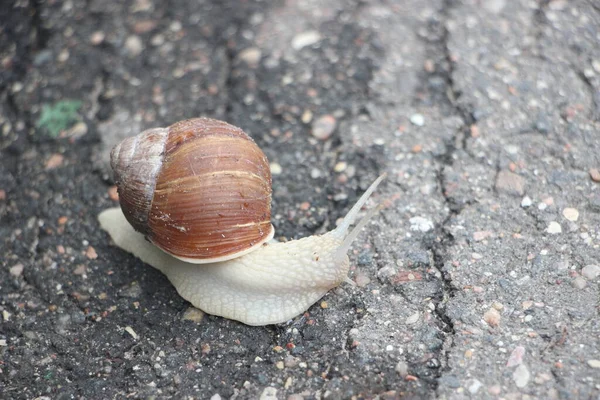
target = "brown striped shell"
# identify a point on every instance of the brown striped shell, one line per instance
(200, 189)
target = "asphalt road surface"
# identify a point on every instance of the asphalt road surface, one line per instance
(480, 278)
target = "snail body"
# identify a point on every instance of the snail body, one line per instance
(271, 283)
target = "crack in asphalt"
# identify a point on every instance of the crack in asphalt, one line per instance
(594, 5)
(539, 21)
(594, 113)
(443, 238)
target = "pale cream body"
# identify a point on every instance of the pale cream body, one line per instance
(270, 285)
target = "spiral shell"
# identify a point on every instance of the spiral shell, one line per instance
(200, 189)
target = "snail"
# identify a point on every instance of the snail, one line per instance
(199, 192)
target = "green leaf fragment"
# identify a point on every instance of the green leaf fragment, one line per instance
(59, 117)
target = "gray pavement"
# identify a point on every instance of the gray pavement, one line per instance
(479, 279)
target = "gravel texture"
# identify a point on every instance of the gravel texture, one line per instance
(479, 278)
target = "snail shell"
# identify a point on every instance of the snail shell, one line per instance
(200, 189)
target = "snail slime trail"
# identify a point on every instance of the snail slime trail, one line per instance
(242, 277)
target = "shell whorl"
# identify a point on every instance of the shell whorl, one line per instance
(136, 162)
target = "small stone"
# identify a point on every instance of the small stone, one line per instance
(494, 6)
(595, 174)
(594, 364)
(113, 193)
(526, 202)
(494, 390)
(134, 45)
(386, 272)
(420, 224)
(91, 253)
(324, 305)
(481, 235)
(275, 168)
(215, 396)
(362, 279)
(307, 116)
(97, 37)
(305, 39)
(579, 283)
(270, 393)
(402, 369)
(290, 361)
(412, 319)
(591, 272)
(521, 376)
(554, 228)
(558, 5)
(279, 365)
(510, 183)
(475, 386)
(54, 161)
(516, 357)
(526, 305)
(2, 194)
(16, 270)
(63, 56)
(76, 131)
(157, 40)
(193, 314)
(324, 126)
(571, 214)
(130, 330)
(492, 317)
(417, 119)
(429, 65)
(250, 56)
(79, 270)
(340, 167)
(144, 26)
(542, 378)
